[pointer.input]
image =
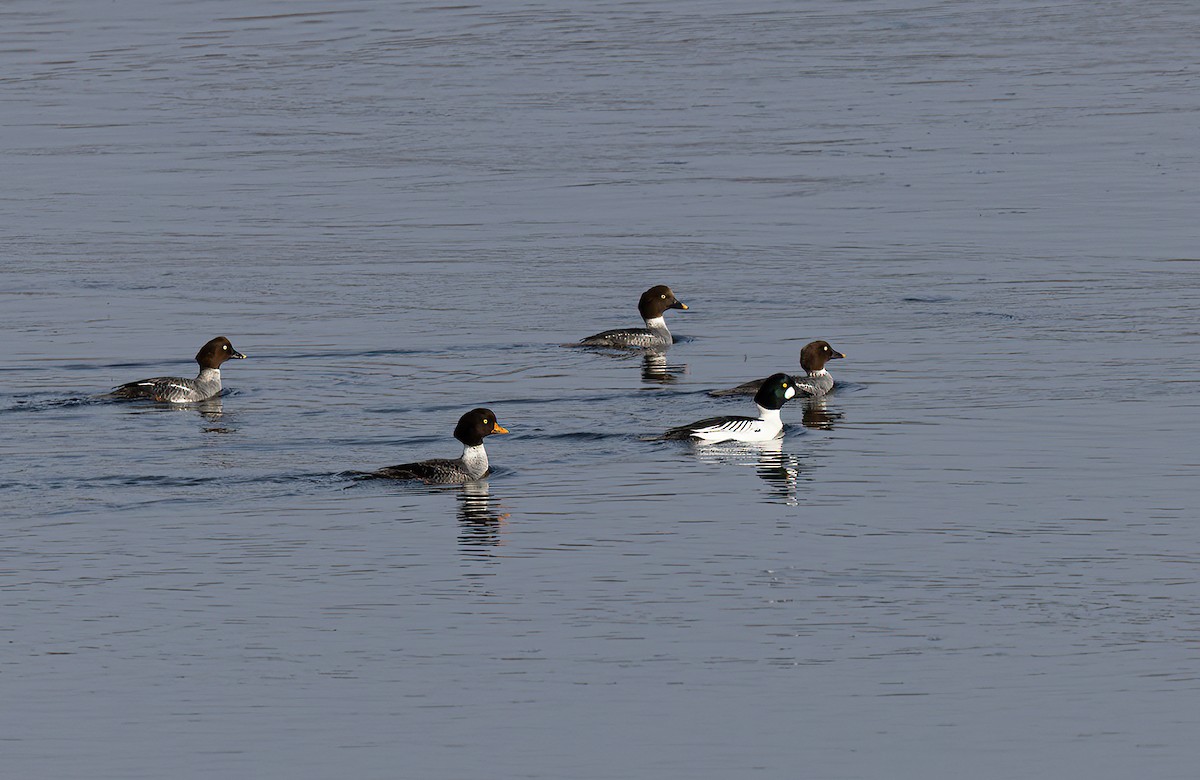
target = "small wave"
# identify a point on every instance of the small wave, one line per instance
(334, 353)
(611, 350)
(36, 405)
(164, 480)
(498, 404)
(366, 479)
(847, 387)
(311, 477)
(376, 353)
(155, 480)
(575, 436)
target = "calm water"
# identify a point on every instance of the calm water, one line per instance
(979, 558)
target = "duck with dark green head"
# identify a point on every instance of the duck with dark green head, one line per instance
(776, 390)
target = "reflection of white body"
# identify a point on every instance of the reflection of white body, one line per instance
(477, 492)
(817, 414)
(656, 369)
(742, 453)
(778, 469)
(476, 504)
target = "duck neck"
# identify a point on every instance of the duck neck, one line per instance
(769, 415)
(475, 461)
(658, 325)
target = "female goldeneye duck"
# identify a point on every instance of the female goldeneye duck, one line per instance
(177, 390)
(770, 398)
(816, 382)
(472, 465)
(652, 305)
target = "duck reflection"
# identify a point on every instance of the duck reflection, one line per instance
(480, 527)
(780, 470)
(212, 412)
(817, 415)
(656, 369)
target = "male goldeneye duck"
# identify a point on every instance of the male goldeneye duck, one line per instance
(816, 382)
(177, 390)
(770, 398)
(652, 305)
(472, 465)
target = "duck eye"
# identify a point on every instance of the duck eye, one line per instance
(825, 348)
(224, 346)
(485, 421)
(785, 385)
(663, 297)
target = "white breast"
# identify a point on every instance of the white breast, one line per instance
(475, 461)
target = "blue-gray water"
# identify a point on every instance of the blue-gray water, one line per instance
(979, 561)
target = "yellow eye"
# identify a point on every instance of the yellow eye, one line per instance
(224, 346)
(485, 421)
(663, 297)
(785, 384)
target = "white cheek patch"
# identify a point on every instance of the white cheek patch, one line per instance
(789, 393)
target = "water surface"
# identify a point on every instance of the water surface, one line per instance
(978, 557)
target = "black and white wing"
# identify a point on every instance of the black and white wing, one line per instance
(713, 425)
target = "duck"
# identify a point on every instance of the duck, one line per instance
(471, 466)
(652, 306)
(178, 390)
(775, 391)
(816, 382)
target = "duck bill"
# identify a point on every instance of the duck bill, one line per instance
(497, 429)
(836, 355)
(238, 355)
(679, 305)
